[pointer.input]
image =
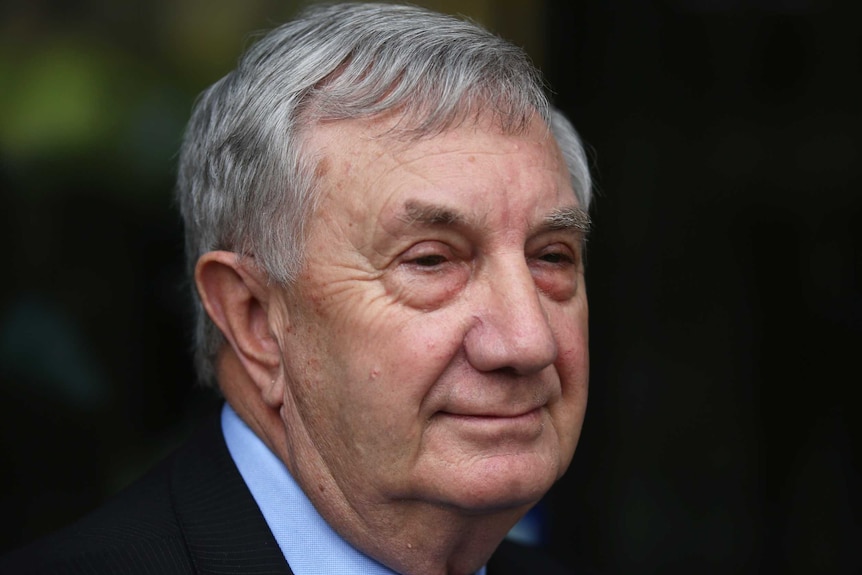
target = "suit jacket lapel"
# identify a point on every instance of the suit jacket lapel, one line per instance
(224, 529)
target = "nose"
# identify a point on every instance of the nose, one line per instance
(510, 327)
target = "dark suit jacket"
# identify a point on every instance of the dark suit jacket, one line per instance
(192, 513)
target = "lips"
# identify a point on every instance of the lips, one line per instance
(490, 431)
(491, 415)
(522, 422)
(494, 401)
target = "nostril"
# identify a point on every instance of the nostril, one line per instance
(508, 371)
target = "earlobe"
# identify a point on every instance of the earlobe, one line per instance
(238, 298)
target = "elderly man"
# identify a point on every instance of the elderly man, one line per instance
(385, 225)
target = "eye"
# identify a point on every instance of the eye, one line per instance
(557, 254)
(429, 261)
(429, 256)
(556, 258)
(556, 269)
(428, 274)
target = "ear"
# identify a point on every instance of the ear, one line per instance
(240, 301)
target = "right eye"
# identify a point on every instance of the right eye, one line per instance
(429, 261)
(428, 274)
(429, 256)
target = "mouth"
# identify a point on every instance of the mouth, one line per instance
(499, 426)
(491, 415)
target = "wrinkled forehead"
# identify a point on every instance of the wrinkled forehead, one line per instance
(402, 135)
(368, 169)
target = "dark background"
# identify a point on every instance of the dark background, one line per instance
(724, 270)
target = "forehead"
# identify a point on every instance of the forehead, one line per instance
(366, 164)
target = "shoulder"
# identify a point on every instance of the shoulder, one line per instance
(133, 532)
(138, 530)
(191, 513)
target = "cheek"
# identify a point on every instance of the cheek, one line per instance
(369, 408)
(573, 332)
(405, 367)
(573, 362)
(382, 360)
(408, 355)
(573, 369)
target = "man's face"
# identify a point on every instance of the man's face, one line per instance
(435, 346)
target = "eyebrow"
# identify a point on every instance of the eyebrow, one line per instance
(572, 219)
(567, 219)
(430, 215)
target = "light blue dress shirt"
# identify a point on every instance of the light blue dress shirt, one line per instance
(308, 543)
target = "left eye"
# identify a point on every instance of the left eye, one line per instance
(555, 258)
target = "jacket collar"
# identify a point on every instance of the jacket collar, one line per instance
(223, 527)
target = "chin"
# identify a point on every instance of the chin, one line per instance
(500, 483)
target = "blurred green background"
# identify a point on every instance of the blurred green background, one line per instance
(724, 272)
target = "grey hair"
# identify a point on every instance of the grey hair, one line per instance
(247, 184)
